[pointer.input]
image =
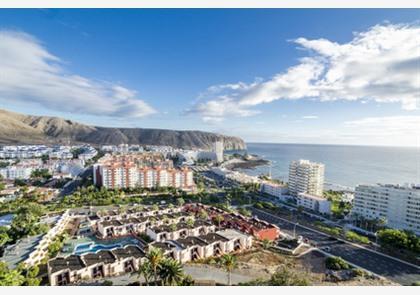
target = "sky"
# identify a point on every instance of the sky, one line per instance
(321, 76)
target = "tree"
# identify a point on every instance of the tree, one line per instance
(154, 257)
(203, 214)
(4, 236)
(190, 222)
(10, 277)
(229, 264)
(218, 218)
(180, 202)
(284, 277)
(145, 271)
(171, 272)
(336, 263)
(266, 244)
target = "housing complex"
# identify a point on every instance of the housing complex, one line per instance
(179, 232)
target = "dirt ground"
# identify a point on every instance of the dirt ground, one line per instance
(260, 263)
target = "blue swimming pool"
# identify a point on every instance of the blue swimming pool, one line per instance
(93, 247)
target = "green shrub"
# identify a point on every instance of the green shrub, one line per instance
(336, 263)
(352, 236)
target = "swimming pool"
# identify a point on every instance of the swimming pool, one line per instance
(94, 246)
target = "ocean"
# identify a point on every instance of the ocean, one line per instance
(344, 165)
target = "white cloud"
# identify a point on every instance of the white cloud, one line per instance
(381, 64)
(310, 117)
(31, 74)
(391, 127)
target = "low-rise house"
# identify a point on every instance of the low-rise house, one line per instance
(237, 241)
(75, 268)
(179, 230)
(122, 227)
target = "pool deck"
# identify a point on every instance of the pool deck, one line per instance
(71, 244)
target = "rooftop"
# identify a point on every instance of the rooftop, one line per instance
(14, 254)
(128, 251)
(213, 237)
(190, 241)
(72, 262)
(101, 256)
(231, 234)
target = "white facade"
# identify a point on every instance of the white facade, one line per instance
(398, 205)
(306, 177)
(277, 190)
(314, 203)
(124, 177)
(218, 148)
(15, 172)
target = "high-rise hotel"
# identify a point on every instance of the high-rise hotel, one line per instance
(146, 170)
(306, 177)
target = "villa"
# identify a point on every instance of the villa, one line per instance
(74, 268)
(179, 230)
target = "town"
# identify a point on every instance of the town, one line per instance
(158, 215)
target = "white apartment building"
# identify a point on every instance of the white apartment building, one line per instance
(274, 189)
(218, 148)
(306, 177)
(314, 203)
(399, 205)
(16, 172)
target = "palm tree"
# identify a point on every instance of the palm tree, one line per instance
(154, 257)
(180, 202)
(229, 263)
(144, 270)
(266, 244)
(218, 218)
(203, 214)
(171, 272)
(190, 222)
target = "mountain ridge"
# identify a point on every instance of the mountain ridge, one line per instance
(16, 128)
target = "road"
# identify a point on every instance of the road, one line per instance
(395, 270)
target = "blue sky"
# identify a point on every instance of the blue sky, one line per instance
(153, 68)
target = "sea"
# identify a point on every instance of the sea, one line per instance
(345, 166)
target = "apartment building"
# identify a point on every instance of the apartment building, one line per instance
(399, 205)
(277, 190)
(306, 177)
(218, 148)
(147, 170)
(314, 203)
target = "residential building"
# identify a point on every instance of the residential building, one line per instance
(314, 203)
(147, 170)
(306, 177)
(398, 205)
(218, 148)
(277, 190)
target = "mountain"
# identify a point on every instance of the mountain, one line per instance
(25, 129)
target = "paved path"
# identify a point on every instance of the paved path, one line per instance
(393, 269)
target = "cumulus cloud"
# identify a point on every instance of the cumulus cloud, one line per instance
(380, 64)
(29, 73)
(310, 117)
